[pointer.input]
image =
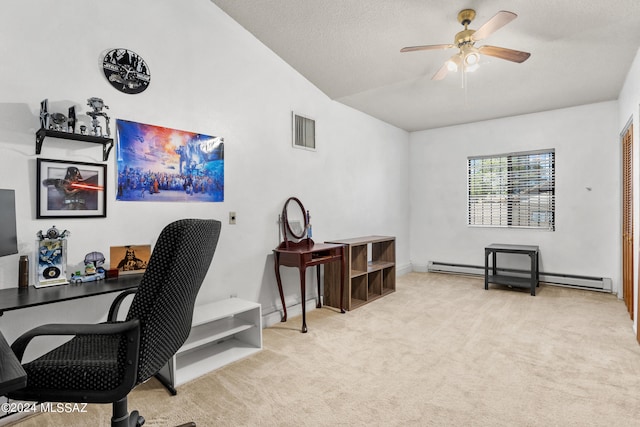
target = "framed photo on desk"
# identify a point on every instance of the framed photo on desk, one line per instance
(130, 259)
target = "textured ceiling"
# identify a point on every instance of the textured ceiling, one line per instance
(581, 52)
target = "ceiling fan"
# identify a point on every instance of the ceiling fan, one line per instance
(468, 56)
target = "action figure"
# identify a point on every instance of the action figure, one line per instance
(98, 104)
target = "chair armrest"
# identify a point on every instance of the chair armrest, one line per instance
(119, 328)
(115, 305)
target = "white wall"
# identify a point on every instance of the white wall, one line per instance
(628, 110)
(587, 237)
(208, 75)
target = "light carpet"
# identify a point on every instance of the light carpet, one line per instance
(440, 351)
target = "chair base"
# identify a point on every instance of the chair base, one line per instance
(122, 418)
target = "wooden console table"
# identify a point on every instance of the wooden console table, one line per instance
(305, 254)
(502, 279)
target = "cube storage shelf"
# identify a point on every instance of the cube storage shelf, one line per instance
(222, 332)
(371, 272)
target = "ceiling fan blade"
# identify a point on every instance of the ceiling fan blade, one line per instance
(504, 53)
(498, 21)
(427, 47)
(441, 73)
(452, 64)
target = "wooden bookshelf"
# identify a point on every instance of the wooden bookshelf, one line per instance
(371, 272)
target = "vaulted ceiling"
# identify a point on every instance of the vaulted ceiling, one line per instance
(581, 51)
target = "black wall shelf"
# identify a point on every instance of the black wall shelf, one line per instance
(107, 143)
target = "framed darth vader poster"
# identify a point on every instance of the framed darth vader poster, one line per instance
(70, 189)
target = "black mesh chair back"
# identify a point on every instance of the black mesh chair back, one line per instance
(166, 296)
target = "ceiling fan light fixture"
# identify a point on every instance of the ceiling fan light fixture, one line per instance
(471, 68)
(471, 59)
(471, 62)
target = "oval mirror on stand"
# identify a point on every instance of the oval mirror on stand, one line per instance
(292, 218)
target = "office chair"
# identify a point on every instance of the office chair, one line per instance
(104, 362)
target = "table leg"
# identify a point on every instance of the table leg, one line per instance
(486, 269)
(537, 269)
(303, 289)
(534, 273)
(319, 301)
(494, 268)
(276, 263)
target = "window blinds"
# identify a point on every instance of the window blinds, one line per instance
(512, 190)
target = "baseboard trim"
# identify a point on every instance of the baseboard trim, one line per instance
(401, 270)
(594, 283)
(273, 314)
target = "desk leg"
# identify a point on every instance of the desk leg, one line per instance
(166, 383)
(276, 263)
(303, 289)
(319, 302)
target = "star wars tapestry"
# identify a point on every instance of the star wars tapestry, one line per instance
(161, 164)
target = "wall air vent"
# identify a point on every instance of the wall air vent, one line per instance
(304, 132)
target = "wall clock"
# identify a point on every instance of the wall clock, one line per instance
(126, 70)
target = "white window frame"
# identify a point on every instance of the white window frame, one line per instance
(512, 190)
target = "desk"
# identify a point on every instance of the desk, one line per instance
(305, 254)
(529, 282)
(12, 375)
(17, 298)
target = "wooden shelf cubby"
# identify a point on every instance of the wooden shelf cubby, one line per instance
(371, 271)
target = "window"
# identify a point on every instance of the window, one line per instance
(512, 190)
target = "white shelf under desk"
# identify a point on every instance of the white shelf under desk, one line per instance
(221, 333)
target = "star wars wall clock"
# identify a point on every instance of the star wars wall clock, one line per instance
(126, 71)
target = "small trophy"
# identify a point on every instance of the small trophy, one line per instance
(51, 258)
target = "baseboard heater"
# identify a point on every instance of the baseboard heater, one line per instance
(593, 283)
